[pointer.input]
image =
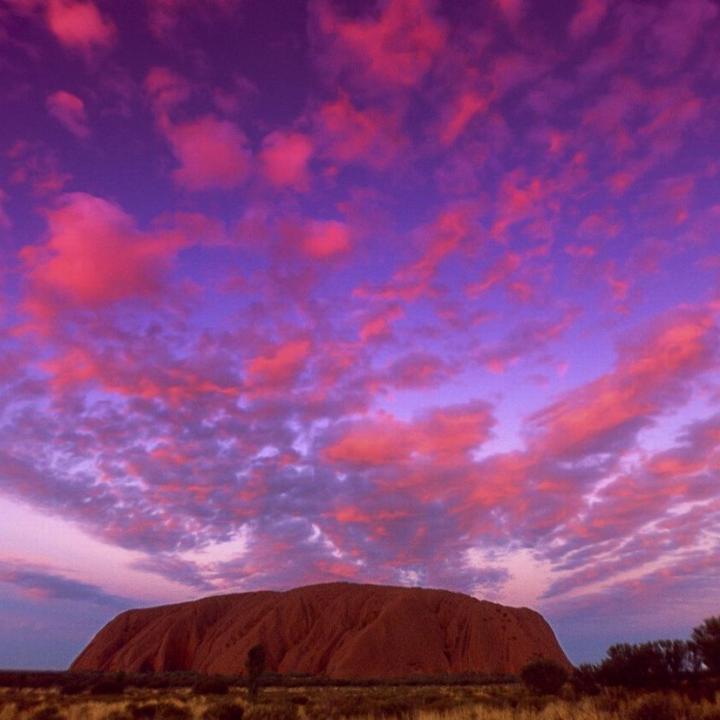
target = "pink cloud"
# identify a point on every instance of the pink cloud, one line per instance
(212, 153)
(460, 114)
(279, 366)
(346, 134)
(69, 110)
(443, 435)
(164, 15)
(325, 238)
(396, 47)
(650, 376)
(166, 89)
(79, 25)
(95, 255)
(587, 19)
(284, 159)
(379, 325)
(512, 10)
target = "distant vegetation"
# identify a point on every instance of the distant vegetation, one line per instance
(659, 665)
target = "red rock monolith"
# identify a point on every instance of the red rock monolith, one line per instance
(337, 630)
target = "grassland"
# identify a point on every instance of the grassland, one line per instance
(492, 702)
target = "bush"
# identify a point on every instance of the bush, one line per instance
(271, 712)
(706, 639)
(142, 712)
(254, 668)
(544, 677)
(656, 707)
(225, 711)
(109, 685)
(169, 711)
(49, 712)
(584, 680)
(211, 686)
(652, 665)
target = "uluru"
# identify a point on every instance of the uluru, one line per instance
(336, 630)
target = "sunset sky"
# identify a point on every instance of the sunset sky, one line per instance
(411, 292)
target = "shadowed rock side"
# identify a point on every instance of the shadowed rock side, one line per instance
(340, 630)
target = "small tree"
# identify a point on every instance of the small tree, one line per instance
(544, 677)
(254, 668)
(706, 638)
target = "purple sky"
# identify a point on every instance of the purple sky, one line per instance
(405, 292)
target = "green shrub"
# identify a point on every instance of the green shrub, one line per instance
(544, 677)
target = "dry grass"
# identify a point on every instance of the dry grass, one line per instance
(366, 703)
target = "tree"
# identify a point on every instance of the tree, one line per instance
(544, 677)
(706, 638)
(659, 664)
(254, 668)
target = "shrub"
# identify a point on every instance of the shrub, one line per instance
(225, 711)
(659, 665)
(656, 707)
(169, 711)
(706, 639)
(109, 685)
(271, 712)
(544, 677)
(143, 712)
(584, 680)
(254, 667)
(49, 712)
(211, 686)
(74, 686)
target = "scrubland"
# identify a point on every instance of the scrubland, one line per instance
(511, 702)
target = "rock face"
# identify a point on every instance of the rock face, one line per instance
(339, 630)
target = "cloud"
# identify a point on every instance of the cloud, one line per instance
(79, 25)
(95, 255)
(346, 134)
(166, 89)
(279, 366)
(395, 46)
(652, 374)
(587, 19)
(213, 153)
(69, 110)
(325, 238)
(284, 159)
(443, 435)
(38, 583)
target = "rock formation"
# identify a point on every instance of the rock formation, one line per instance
(339, 630)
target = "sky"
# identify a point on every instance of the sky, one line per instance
(397, 291)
